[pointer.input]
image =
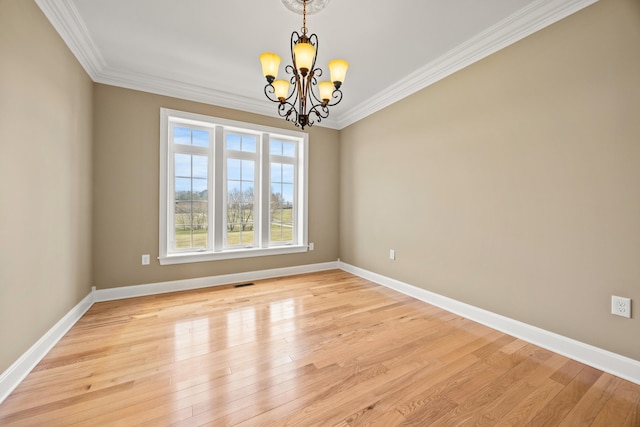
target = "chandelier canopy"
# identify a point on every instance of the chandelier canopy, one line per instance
(303, 106)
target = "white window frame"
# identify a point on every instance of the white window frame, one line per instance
(217, 182)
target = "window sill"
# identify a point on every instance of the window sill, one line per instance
(190, 257)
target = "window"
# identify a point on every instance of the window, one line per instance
(230, 189)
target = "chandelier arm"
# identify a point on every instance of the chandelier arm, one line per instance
(270, 93)
(320, 111)
(335, 95)
(288, 111)
(313, 40)
(316, 73)
(295, 38)
(290, 70)
(290, 102)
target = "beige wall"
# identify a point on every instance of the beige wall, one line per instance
(126, 156)
(510, 185)
(513, 185)
(45, 179)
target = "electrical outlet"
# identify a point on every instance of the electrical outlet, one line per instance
(392, 254)
(621, 306)
(311, 246)
(145, 259)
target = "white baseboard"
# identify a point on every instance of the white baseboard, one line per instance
(17, 372)
(205, 282)
(604, 360)
(615, 364)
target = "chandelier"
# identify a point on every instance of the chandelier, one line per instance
(303, 106)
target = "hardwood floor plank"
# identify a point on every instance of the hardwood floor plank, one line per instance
(620, 406)
(326, 349)
(474, 408)
(557, 409)
(521, 403)
(587, 408)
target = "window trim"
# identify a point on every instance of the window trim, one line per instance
(216, 221)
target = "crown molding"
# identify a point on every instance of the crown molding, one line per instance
(521, 24)
(192, 92)
(65, 18)
(67, 21)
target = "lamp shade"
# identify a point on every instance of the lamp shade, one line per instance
(338, 70)
(281, 88)
(326, 90)
(270, 63)
(304, 54)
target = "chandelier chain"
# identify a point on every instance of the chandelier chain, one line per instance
(304, 17)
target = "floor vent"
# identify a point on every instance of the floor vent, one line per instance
(243, 285)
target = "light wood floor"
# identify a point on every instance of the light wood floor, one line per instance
(319, 349)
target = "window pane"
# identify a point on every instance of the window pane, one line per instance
(287, 194)
(199, 189)
(200, 224)
(287, 228)
(183, 189)
(233, 168)
(249, 144)
(276, 233)
(281, 203)
(287, 173)
(191, 215)
(247, 235)
(276, 206)
(183, 210)
(200, 166)
(248, 170)
(181, 135)
(186, 136)
(246, 143)
(240, 203)
(275, 147)
(276, 172)
(234, 212)
(200, 208)
(282, 148)
(182, 165)
(200, 138)
(233, 191)
(233, 142)
(182, 221)
(233, 238)
(289, 149)
(247, 194)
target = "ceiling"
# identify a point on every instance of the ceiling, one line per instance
(207, 50)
